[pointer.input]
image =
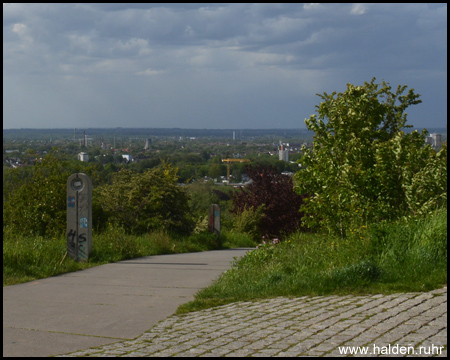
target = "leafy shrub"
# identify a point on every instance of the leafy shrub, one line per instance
(116, 244)
(201, 197)
(426, 189)
(162, 242)
(363, 168)
(148, 201)
(201, 225)
(275, 193)
(38, 206)
(249, 222)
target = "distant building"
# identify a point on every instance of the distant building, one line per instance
(148, 143)
(127, 157)
(435, 140)
(83, 157)
(283, 154)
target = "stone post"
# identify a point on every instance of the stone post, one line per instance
(79, 216)
(214, 219)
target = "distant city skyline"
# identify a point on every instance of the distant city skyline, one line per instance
(213, 66)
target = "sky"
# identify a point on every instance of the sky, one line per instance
(213, 66)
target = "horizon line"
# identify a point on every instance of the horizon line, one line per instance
(143, 127)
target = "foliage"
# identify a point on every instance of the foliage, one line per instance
(248, 221)
(201, 197)
(362, 167)
(38, 205)
(27, 257)
(407, 255)
(427, 188)
(409, 242)
(117, 243)
(275, 192)
(201, 225)
(209, 241)
(266, 251)
(34, 200)
(234, 239)
(148, 201)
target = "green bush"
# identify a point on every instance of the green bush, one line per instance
(153, 200)
(38, 206)
(426, 189)
(201, 197)
(363, 168)
(115, 244)
(248, 222)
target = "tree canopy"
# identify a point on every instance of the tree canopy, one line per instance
(363, 166)
(140, 202)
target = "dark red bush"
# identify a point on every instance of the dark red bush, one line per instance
(275, 191)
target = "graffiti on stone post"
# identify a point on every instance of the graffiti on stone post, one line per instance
(79, 216)
(214, 219)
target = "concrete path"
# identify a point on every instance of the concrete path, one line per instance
(105, 304)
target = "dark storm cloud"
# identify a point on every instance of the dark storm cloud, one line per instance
(212, 65)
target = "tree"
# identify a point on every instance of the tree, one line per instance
(274, 192)
(147, 201)
(426, 189)
(361, 162)
(38, 206)
(216, 171)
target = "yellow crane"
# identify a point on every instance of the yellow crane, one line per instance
(229, 161)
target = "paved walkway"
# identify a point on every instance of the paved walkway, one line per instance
(411, 324)
(104, 304)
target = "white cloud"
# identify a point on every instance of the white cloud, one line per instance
(312, 6)
(359, 9)
(150, 72)
(132, 46)
(23, 32)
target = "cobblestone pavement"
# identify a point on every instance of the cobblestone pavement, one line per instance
(409, 324)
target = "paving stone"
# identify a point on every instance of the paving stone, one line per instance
(305, 326)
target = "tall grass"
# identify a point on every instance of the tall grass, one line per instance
(409, 255)
(27, 258)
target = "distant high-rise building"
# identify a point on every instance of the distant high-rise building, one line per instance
(283, 154)
(234, 135)
(83, 157)
(148, 142)
(435, 140)
(127, 157)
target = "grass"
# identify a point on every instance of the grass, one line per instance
(408, 255)
(27, 258)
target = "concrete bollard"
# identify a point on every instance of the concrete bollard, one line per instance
(214, 219)
(79, 216)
